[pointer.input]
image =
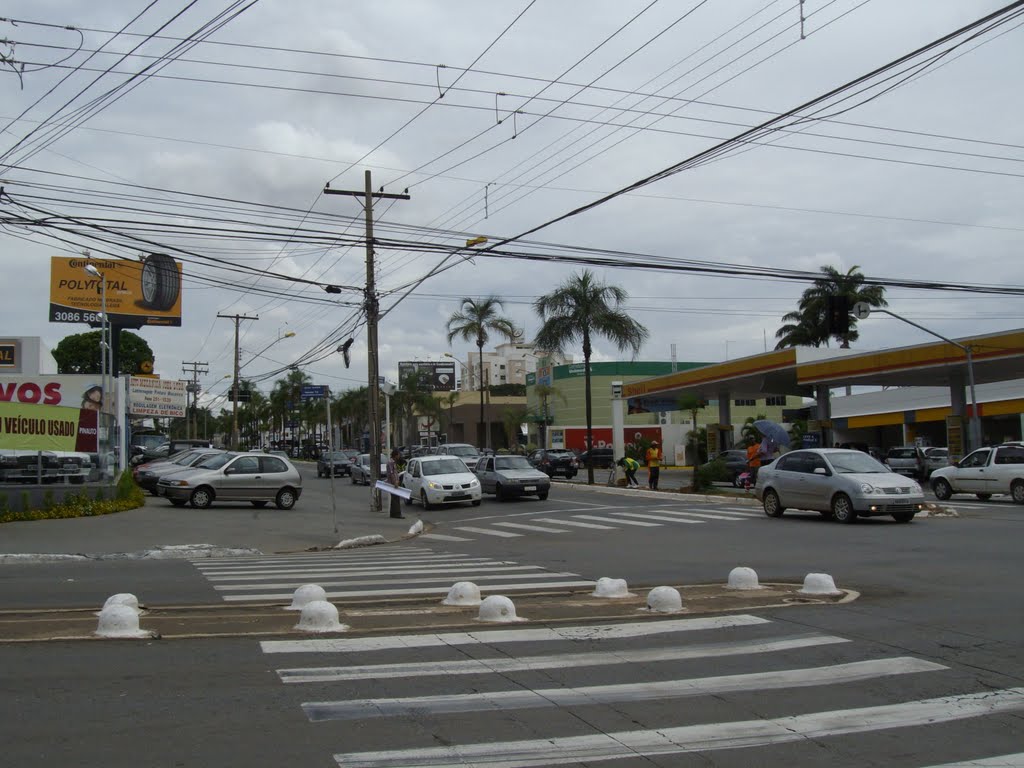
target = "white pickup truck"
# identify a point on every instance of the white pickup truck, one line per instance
(984, 472)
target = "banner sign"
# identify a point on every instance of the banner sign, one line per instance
(576, 437)
(432, 376)
(9, 354)
(71, 391)
(146, 292)
(47, 428)
(160, 398)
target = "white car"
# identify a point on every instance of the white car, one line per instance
(984, 472)
(439, 480)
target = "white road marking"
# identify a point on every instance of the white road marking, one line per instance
(540, 528)
(730, 517)
(487, 531)
(589, 632)
(554, 661)
(379, 552)
(858, 671)
(617, 521)
(380, 568)
(1002, 761)
(402, 591)
(442, 537)
(695, 738)
(471, 576)
(573, 523)
(299, 562)
(662, 518)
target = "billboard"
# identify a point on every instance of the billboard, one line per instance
(29, 427)
(144, 292)
(433, 377)
(70, 390)
(160, 398)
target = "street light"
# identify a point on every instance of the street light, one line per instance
(464, 367)
(104, 351)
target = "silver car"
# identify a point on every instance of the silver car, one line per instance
(360, 469)
(838, 483)
(509, 476)
(256, 478)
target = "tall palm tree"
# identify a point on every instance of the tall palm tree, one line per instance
(475, 322)
(808, 325)
(578, 310)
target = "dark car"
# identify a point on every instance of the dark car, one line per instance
(148, 475)
(555, 461)
(602, 457)
(735, 464)
(338, 462)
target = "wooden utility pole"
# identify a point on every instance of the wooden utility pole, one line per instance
(192, 430)
(372, 312)
(234, 382)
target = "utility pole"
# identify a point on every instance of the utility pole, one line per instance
(372, 313)
(193, 389)
(234, 383)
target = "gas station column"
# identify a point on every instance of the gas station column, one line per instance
(824, 414)
(725, 437)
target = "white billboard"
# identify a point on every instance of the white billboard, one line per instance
(159, 398)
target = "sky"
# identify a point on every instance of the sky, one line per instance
(499, 118)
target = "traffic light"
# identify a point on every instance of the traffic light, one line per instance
(838, 315)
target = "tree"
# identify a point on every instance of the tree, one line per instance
(692, 404)
(475, 322)
(512, 417)
(577, 311)
(808, 326)
(544, 393)
(80, 353)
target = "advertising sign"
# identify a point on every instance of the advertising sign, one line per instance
(9, 354)
(651, 405)
(160, 398)
(47, 428)
(576, 437)
(146, 292)
(72, 391)
(433, 377)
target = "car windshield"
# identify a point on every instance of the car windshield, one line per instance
(336, 456)
(185, 457)
(511, 462)
(851, 462)
(443, 467)
(463, 450)
(559, 454)
(215, 461)
(902, 453)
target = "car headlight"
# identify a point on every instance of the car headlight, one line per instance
(868, 489)
(915, 488)
(434, 486)
(180, 483)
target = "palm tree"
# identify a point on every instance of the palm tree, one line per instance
(544, 393)
(475, 322)
(578, 310)
(808, 325)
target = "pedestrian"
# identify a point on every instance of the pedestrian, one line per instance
(630, 466)
(653, 465)
(396, 502)
(753, 461)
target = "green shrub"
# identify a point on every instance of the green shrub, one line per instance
(706, 474)
(128, 496)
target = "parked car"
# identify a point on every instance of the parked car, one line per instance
(509, 476)
(935, 458)
(148, 475)
(735, 462)
(360, 469)
(438, 480)
(229, 476)
(141, 454)
(602, 457)
(907, 460)
(838, 483)
(338, 463)
(555, 461)
(984, 472)
(469, 455)
(45, 466)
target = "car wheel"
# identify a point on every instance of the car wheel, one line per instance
(178, 502)
(1017, 491)
(903, 517)
(772, 504)
(160, 284)
(408, 502)
(201, 498)
(842, 509)
(942, 489)
(543, 496)
(423, 500)
(285, 498)
(984, 496)
(258, 504)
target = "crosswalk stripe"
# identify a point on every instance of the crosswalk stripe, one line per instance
(574, 523)
(405, 591)
(617, 521)
(301, 562)
(487, 531)
(470, 576)
(487, 636)
(540, 528)
(731, 512)
(702, 515)
(857, 671)
(396, 571)
(662, 518)
(553, 661)
(697, 738)
(379, 552)
(443, 537)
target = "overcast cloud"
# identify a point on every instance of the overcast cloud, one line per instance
(306, 119)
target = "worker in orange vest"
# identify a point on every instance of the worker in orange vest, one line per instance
(653, 457)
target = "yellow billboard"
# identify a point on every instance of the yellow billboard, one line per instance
(47, 428)
(143, 292)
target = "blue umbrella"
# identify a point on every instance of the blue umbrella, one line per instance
(774, 432)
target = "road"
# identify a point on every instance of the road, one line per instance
(925, 668)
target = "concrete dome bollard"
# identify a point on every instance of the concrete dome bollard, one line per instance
(305, 594)
(819, 584)
(742, 578)
(499, 609)
(664, 600)
(463, 593)
(120, 621)
(607, 587)
(123, 598)
(319, 616)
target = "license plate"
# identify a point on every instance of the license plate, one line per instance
(530, 488)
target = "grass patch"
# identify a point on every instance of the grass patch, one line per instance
(125, 495)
